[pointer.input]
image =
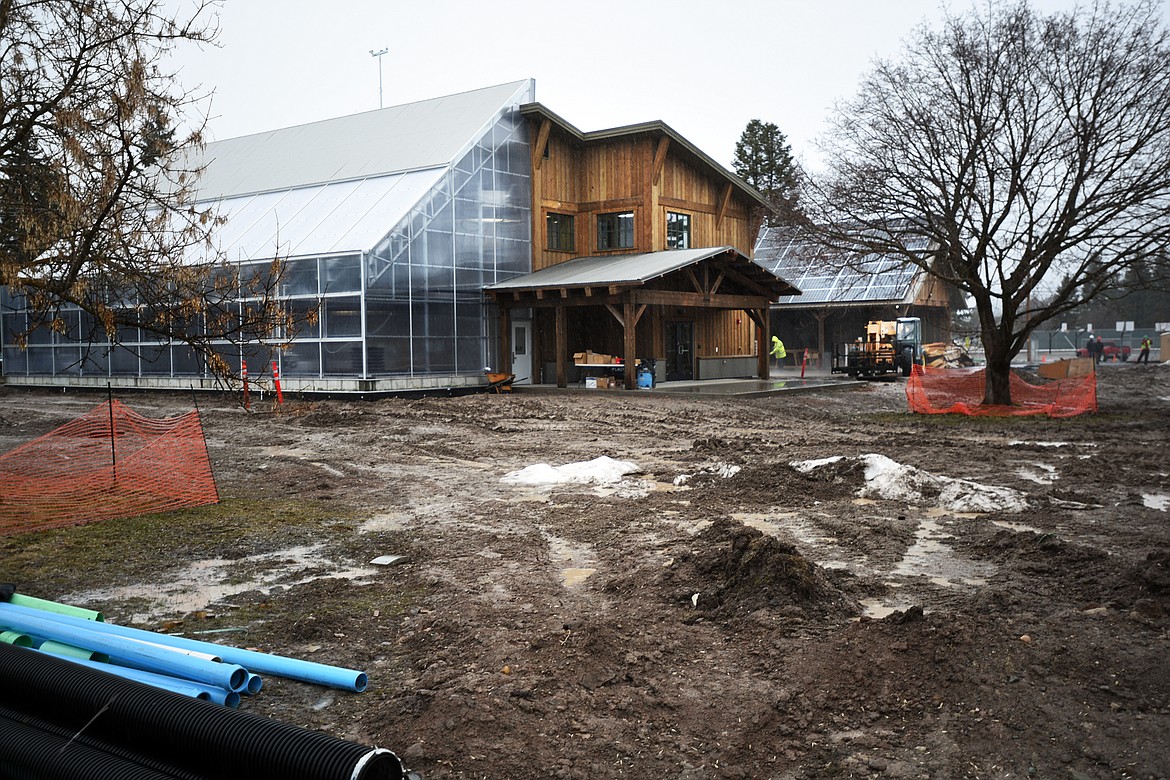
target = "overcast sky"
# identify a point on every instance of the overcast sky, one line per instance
(704, 67)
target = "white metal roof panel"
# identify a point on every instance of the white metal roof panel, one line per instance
(351, 216)
(401, 138)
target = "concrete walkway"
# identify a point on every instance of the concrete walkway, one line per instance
(783, 381)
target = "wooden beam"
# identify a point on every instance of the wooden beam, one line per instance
(690, 274)
(723, 203)
(630, 342)
(719, 281)
(562, 348)
(541, 144)
(763, 342)
(617, 315)
(699, 300)
(660, 158)
(505, 340)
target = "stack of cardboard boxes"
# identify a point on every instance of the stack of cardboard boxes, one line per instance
(590, 358)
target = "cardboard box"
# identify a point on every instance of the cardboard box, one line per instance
(1063, 369)
(591, 382)
(579, 357)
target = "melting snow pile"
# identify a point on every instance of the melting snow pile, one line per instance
(893, 481)
(599, 471)
(724, 470)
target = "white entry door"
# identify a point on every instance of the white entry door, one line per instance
(522, 352)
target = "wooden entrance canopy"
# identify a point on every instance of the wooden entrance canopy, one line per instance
(625, 285)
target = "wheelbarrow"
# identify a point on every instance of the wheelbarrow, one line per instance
(499, 382)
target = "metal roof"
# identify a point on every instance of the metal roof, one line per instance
(396, 139)
(632, 269)
(869, 279)
(325, 219)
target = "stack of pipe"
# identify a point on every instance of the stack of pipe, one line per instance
(82, 698)
(201, 669)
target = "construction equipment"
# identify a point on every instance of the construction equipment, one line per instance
(889, 347)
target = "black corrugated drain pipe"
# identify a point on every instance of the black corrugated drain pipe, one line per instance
(168, 734)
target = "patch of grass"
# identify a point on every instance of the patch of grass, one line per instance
(115, 551)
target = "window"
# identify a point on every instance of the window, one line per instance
(678, 230)
(615, 231)
(560, 232)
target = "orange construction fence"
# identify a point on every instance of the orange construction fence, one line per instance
(108, 463)
(960, 391)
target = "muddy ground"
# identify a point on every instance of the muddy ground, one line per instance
(720, 613)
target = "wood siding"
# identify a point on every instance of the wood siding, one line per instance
(616, 175)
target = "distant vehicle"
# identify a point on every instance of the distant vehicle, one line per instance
(1112, 350)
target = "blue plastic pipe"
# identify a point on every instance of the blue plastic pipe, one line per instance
(184, 687)
(89, 634)
(253, 661)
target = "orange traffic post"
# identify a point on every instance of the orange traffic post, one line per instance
(276, 383)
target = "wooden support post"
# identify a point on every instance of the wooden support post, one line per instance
(630, 347)
(562, 340)
(505, 340)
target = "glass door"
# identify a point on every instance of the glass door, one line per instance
(680, 357)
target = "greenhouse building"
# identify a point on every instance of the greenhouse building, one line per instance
(391, 221)
(423, 237)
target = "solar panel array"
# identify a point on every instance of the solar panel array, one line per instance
(872, 278)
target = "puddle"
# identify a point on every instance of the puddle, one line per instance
(571, 578)
(203, 583)
(576, 559)
(1040, 473)
(932, 558)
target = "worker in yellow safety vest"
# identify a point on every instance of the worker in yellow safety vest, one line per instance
(778, 351)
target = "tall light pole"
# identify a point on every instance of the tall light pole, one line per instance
(379, 54)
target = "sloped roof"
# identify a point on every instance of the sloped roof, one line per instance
(409, 137)
(871, 279)
(632, 270)
(340, 185)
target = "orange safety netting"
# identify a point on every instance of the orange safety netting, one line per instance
(108, 463)
(960, 391)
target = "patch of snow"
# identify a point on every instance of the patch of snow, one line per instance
(1156, 501)
(724, 470)
(806, 466)
(599, 471)
(1020, 442)
(892, 481)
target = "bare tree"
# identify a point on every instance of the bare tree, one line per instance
(1035, 150)
(96, 199)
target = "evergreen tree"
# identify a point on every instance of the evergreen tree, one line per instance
(763, 158)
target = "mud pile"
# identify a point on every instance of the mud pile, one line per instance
(733, 569)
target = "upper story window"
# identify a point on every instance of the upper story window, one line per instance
(678, 230)
(559, 234)
(615, 231)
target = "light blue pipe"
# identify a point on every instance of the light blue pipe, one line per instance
(184, 687)
(259, 663)
(255, 683)
(89, 634)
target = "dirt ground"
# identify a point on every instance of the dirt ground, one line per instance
(720, 613)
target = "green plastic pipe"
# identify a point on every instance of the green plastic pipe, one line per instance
(71, 651)
(15, 638)
(32, 602)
